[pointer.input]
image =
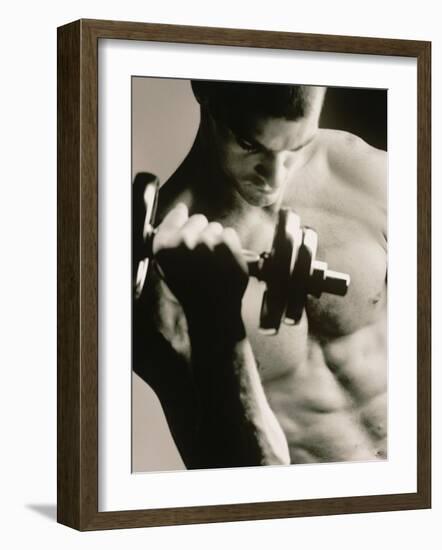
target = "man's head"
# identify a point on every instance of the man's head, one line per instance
(233, 103)
(258, 132)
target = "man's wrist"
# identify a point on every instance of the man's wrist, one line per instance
(223, 326)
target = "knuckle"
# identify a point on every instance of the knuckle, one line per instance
(191, 232)
(164, 240)
(229, 232)
(215, 227)
(211, 235)
(210, 240)
(188, 238)
(177, 215)
(199, 219)
(230, 236)
(187, 241)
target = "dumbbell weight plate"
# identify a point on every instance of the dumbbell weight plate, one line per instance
(277, 270)
(144, 206)
(301, 274)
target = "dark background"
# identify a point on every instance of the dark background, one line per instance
(360, 111)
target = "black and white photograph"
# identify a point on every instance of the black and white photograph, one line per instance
(259, 267)
(219, 260)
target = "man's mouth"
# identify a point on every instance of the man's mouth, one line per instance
(264, 186)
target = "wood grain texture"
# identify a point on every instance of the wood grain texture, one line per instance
(68, 275)
(252, 38)
(424, 274)
(77, 225)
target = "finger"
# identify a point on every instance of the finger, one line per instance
(210, 236)
(167, 232)
(175, 219)
(192, 229)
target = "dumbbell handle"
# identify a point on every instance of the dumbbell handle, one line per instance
(322, 278)
(332, 282)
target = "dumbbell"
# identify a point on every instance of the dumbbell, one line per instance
(290, 270)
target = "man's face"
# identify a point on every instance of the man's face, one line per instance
(260, 161)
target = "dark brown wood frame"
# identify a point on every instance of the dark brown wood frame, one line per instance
(77, 224)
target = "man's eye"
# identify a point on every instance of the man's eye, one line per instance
(246, 145)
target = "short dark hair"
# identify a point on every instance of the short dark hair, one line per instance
(233, 102)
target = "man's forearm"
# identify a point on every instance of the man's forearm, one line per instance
(237, 426)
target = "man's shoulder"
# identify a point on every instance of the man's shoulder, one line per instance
(355, 162)
(340, 141)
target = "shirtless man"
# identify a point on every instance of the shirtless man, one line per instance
(315, 392)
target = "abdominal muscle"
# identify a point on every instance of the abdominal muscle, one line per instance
(330, 396)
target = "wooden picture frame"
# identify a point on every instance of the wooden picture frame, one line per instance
(77, 224)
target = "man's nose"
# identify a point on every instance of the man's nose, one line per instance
(273, 168)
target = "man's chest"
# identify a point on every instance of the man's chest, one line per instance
(353, 245)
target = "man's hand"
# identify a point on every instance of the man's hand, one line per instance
(202, 265)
